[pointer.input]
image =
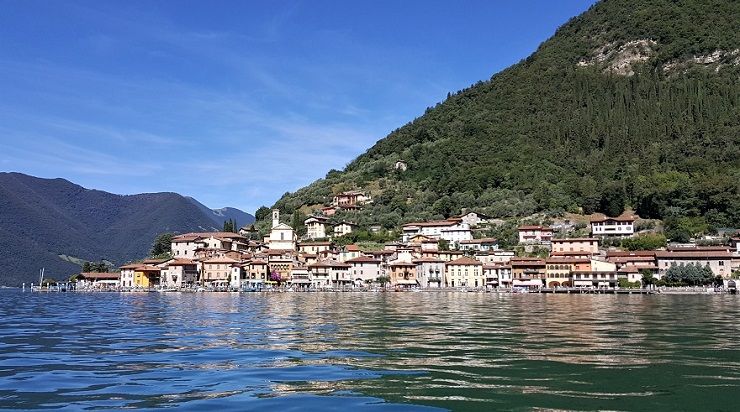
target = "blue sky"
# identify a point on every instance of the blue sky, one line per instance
(237, 102)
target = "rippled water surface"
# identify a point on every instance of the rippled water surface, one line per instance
(368, 351)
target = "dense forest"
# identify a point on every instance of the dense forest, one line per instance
(632, 104)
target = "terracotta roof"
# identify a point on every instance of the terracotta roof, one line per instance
(500, 266)
(615, 253)
(181, 262)
(189, 237)
(625, 259)
(257, 262)
(566, 260)
(146, 268)
(635, 268)
(220, 260)
(434, 223)
(528, 262)
(352, 248)
(572, 253)
(363, 259)
(465, 261)
(400, 263)
(98, 275)
(130, 266)
(671, 254)
(699, 248)
(476, 241)
(575, 239)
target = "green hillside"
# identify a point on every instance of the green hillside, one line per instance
(632, 104)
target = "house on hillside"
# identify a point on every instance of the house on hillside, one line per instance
(451, 230)
(350, 199)
(620, 226)
(535, 234)
(344, 228)
(316, 227)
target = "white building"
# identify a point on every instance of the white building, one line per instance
(179, 273)
(430, 272)
(622, 226)
(479, 244)
(451, 230)
(281, 235)
(534, 234)
(316, 227)
(344, 228)
(474, 219)
(365, 269)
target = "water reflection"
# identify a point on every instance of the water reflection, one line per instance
(367, 350)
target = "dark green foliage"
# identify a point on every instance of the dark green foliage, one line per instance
(644, 242)
(689, 275)
(162, 245)
(100, 267)
(262, 213)
(230, 226)
(550, 134)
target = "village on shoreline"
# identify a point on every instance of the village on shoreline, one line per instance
(441, 254)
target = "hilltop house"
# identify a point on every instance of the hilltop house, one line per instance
(534, 234)
(344, 228)
(622, 226)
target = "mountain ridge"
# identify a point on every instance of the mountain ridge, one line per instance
(41, 219)
(630, 104)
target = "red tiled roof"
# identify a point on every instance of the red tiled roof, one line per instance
(556, 259)
(575, 239)
(329, 264)
(694, 254)
(352, 248)
(181, 262)
(427, 260)
(220, 260)
(465, 261)
(476, 241)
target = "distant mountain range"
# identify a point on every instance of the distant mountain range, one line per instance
(52, 223)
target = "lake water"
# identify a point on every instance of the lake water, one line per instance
(369, 351)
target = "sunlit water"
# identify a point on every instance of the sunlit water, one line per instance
(369, 351)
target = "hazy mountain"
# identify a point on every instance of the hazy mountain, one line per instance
(225, 213)
(41, 219)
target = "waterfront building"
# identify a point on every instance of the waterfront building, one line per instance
(258, 272)
(179, 273)
(98, 280)
(330, 273)
(558, 270)
(146, 276)
(217, 271)
(620, 226)
(430, 272)
(402, 274)
(300, 277)
(534, 234)
(126, 277)
(497, 275)
(365, 269)
(281, 263)
(581, 244)
(528, 272)
(464, 272)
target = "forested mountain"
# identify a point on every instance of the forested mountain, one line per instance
(635, 103)
(41, 219)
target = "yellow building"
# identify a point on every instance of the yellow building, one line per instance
(146, 276)
(465, 272)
